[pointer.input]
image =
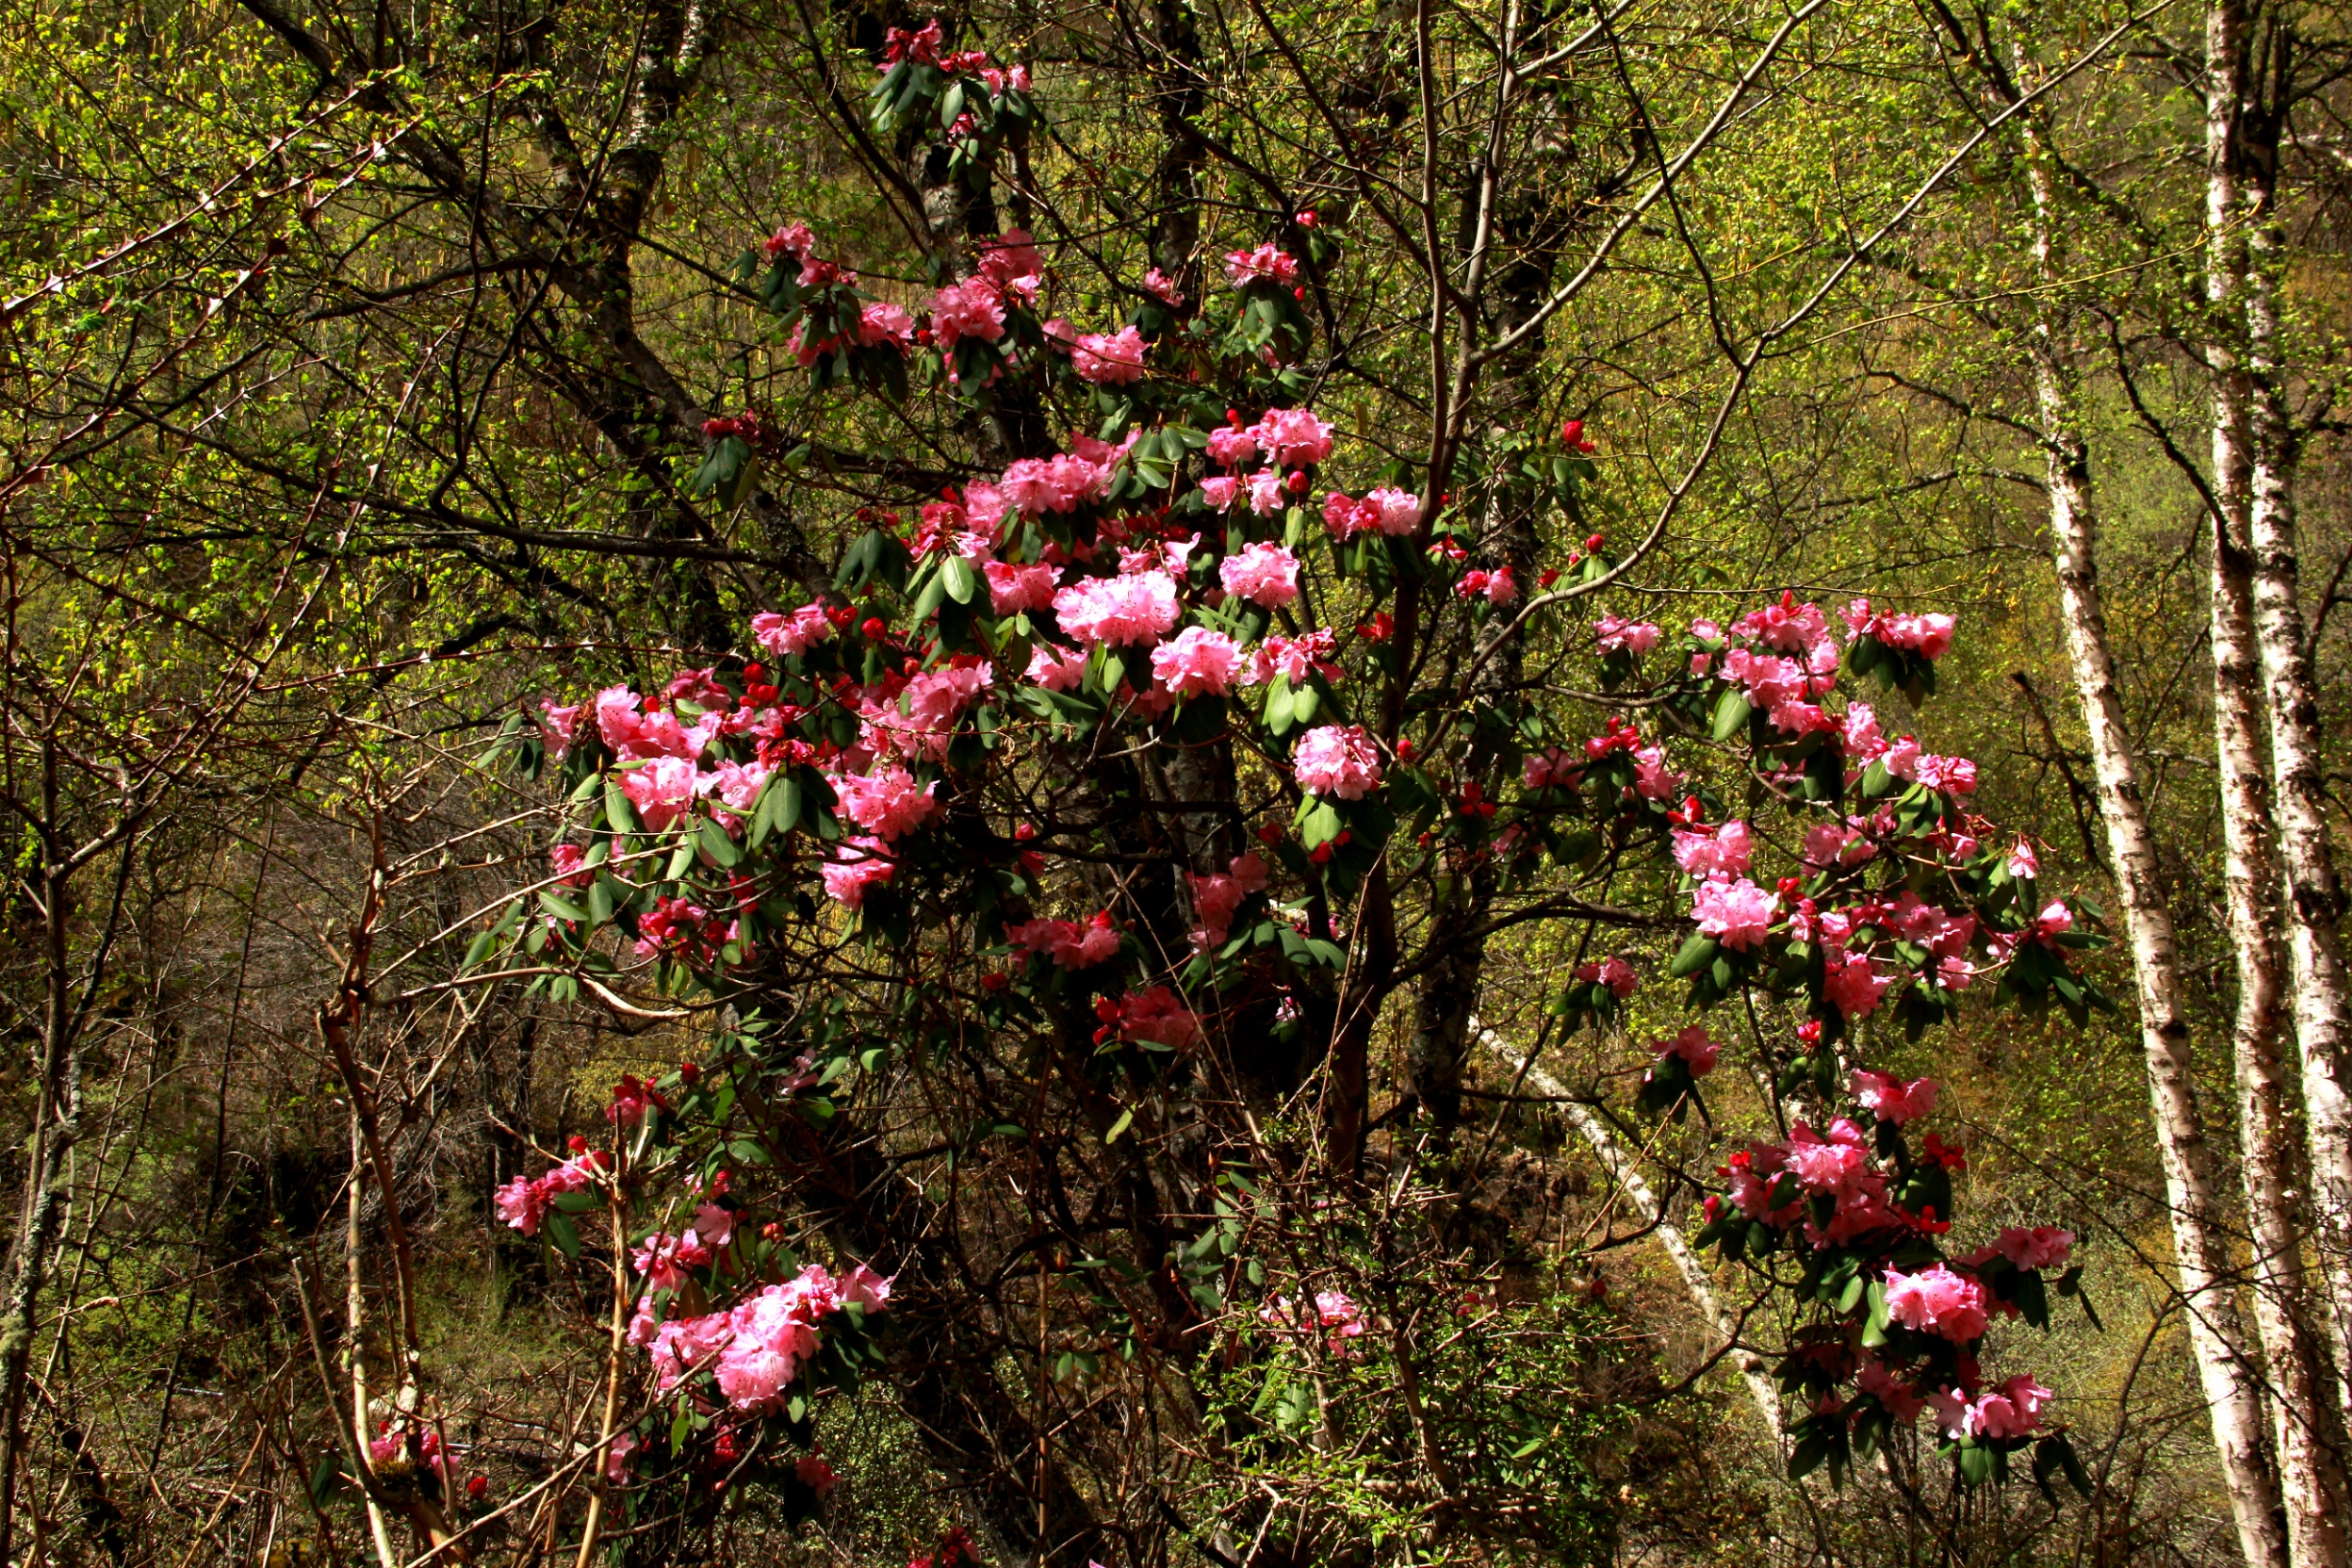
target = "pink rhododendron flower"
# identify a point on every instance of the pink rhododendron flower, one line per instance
(1015, 588)
(1722, 854)
(1736, 914)
(1937, 1301)
(1056, 669)
(971, 309)
(1263, 573)
(1653, 780)
(571, 863)
(738, 784)
(1113, 360)
(1198, 662)
(887, 801)
(1693, 1048)
(2013, 1409)
(793, 633)
(1334, 1312)
(1069, 944)
(811, 1469)
(1891, 1099)
(663, 1261)
(1266, 492)
(1217, 490)
(1124, 609)
(1295, 658)
(1945, 775)
(1293, 437)
(2054, 919)
(1902, 1401)
(882, 322)
(558, 727)
(1863, 742)
(633, 734)
(1156, 1015)
(1216, 897)
(1037, 485)
(1268, 261)
(2022, 864)
(663, 789)
(2044, 1246)
(1855, 985)
(1399, 510)
(1613, 632)
(1831, 844)
(1614, 973)
(713, 1224)
(1162, 288)
(1346, 517)
(794, 239)
(1229, 446)
(1011, 257)
(524, 1202)
(1928, 635)
(1542, 770)
(1827, 1164)
(1339, 760)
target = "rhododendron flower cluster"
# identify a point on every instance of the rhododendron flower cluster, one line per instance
(1073, 944)
(1217, 896)
(1337, 760)
(1124, 609)
(959, 735)
(1108, 359)
(1334, 1315)
(524, 1202)
(755, 1349)
(1614, 632)
(1928, 635)
(1268, 261)
(1263, 573)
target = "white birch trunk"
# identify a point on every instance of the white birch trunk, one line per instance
(2315, 893)
(2231, 1386)
(2312, 1485)
(2232, 1390)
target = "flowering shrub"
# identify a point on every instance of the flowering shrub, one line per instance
(954, 755)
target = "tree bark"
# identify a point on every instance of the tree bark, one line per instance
(2232, 1389)
(2322, 991)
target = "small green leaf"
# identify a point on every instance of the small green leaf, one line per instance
(961, 580)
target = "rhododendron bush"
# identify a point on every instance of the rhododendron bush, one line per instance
(1128, 772)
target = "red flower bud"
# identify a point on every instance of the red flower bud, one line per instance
(1320, 854)
(1299, 294)
(873, 628)
(577, 1143)
(1550, 575)
(1269, 833)
(1595, 543)
(689, 1072)
(1298, 481)
(1025, 831)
